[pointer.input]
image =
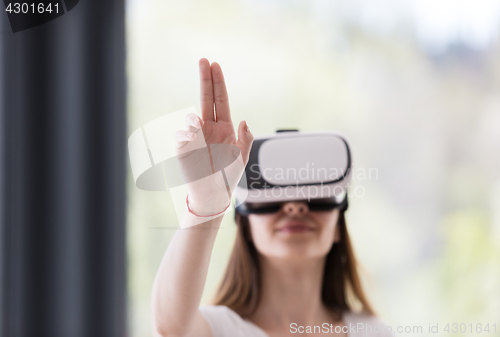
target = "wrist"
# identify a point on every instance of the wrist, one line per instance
(209, 207)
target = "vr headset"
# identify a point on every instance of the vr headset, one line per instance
(292, 165)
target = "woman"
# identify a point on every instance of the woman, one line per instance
(290, 270)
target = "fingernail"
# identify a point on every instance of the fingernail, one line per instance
(247, 128)
(197, 121)
(190, 134)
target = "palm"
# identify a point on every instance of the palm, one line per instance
(219, 133)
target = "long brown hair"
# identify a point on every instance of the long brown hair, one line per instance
(241, 284)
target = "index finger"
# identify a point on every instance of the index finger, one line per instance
(206, 90)
(222, 112)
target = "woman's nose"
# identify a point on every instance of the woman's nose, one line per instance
(295, 208)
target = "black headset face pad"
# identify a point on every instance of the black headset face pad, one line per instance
(326, 204)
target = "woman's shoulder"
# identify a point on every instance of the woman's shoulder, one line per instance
(361, 324)
(225, 322)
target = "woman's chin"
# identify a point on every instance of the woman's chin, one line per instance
(298, 251)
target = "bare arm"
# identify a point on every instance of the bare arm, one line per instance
(179, 284)
(181, 277)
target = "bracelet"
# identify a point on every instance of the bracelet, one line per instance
(204, 216)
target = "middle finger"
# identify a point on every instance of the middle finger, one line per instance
(207, 93)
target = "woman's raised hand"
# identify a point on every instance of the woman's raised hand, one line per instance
(210, 193)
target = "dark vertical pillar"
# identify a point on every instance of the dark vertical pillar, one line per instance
(62, 170)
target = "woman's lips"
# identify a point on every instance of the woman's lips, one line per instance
(295, 227)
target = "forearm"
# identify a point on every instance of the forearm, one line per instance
(180, 280)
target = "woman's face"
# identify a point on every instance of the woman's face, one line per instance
(294, 232)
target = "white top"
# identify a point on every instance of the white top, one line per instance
(224, 322)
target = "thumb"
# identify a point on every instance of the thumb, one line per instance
(245, 140)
